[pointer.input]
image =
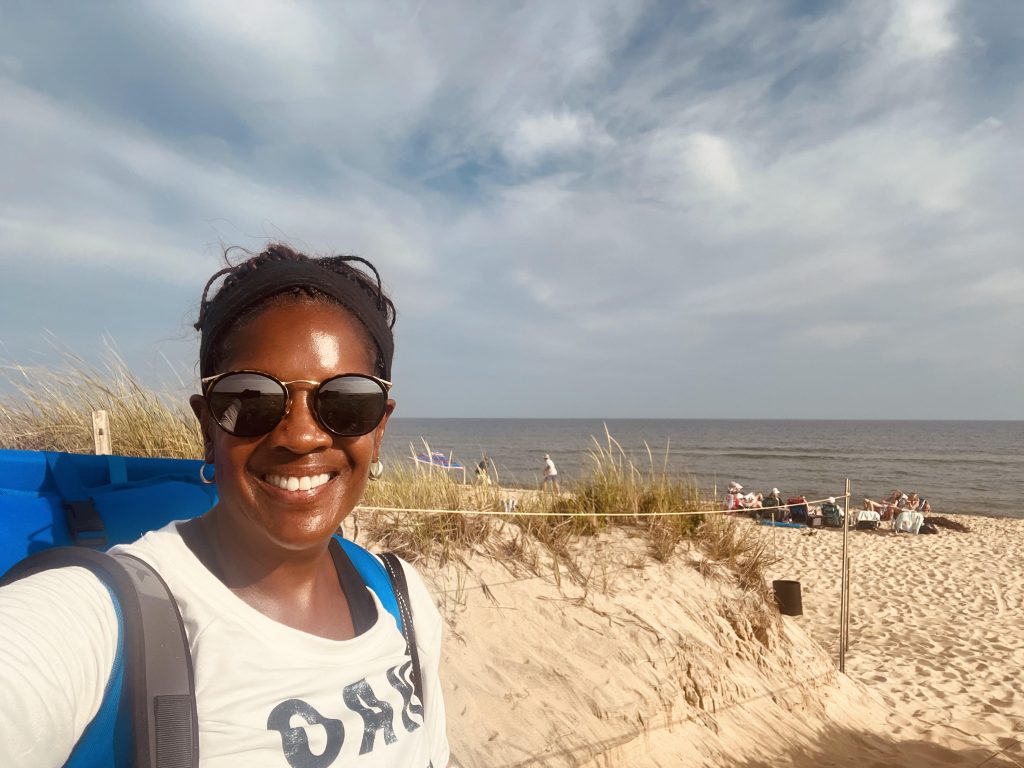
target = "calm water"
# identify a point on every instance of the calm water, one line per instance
(973, 467)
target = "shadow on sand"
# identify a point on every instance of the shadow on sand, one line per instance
(848, 748)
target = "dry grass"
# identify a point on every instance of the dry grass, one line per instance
(435, 534)
(733, 544)
(52, 409)
(651, 497)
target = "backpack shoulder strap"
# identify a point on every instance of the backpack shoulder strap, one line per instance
(160, 707)
(387, 580)
(397, 575)
(374, 576)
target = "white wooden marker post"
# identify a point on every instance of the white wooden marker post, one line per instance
(101, 432)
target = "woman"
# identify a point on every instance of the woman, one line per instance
(296, 662)
(888, 506)
(773, 504)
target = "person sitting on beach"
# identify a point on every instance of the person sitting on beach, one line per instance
(296, 660)
(734, 499)
(752, 500)
(908, 520)
(888, 507)
(482, 475)
(773, 503)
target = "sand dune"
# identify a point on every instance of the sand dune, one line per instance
(659, 665)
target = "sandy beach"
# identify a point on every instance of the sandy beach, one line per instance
(649, 664)
(936, 623)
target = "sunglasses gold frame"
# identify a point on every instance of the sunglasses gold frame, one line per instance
(208, 382)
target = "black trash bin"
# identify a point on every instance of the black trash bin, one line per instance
(787, 595)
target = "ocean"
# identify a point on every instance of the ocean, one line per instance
(971, 467)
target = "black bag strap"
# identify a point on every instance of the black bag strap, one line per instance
(397, 575)
(159, 679)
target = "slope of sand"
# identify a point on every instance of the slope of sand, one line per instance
(672, 665)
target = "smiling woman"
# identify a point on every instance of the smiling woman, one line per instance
(296, 660)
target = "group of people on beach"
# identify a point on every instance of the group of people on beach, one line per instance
(897, 502)
(736, 500)
(905, 512)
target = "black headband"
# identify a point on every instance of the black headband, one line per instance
(276, 276)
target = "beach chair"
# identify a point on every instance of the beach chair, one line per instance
(831, 515)
(867, 520)
(797, 508)
(908, 521)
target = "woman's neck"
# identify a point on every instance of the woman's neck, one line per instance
(297, 588)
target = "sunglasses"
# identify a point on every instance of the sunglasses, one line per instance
(252, 403)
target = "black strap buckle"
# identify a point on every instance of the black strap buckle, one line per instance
(85, 523)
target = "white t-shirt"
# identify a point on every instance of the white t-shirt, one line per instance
(267, 695)
(549, 468)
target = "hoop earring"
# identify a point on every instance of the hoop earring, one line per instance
(376, 469)
(202, 474)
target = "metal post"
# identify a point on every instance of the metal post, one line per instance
(844, 601)
(849, 566)
(849, 588)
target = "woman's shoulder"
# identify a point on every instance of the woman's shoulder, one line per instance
(164, 549)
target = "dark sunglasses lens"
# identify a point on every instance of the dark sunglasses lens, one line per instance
(351, 405)
(247, 404)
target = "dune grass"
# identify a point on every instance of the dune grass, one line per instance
(52, 410)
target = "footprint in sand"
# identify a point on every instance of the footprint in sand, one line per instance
(1000, 602)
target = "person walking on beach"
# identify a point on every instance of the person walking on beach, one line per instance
(550, 475)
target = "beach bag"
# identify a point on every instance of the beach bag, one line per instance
(148, 715)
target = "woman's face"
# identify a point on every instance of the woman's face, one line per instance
(292, 340)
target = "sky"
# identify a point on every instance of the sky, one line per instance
(798, 209)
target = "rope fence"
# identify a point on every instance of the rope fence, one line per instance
(551, 513)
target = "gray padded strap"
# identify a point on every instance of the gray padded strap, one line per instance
(168, 685)
(159, 681)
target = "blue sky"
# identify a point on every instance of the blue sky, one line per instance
(603, 209)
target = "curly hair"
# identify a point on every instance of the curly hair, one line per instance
(239, 276)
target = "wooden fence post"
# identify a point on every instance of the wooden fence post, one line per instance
(101, 433)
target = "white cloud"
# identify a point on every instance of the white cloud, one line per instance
(741, 178)
(921, 29)
(538, 137)
(711, 159)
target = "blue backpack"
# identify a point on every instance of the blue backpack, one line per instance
(147, 718)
